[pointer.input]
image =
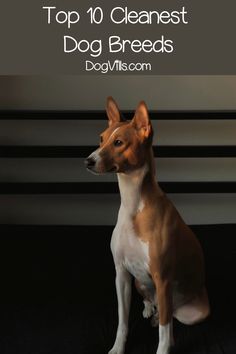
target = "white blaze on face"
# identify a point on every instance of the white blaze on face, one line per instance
(113, 133)
(96, 155)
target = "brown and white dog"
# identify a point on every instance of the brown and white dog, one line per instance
(150, 241)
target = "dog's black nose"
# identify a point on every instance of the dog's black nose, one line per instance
(89, 162)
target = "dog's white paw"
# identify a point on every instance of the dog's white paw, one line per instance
(116, 350)
(163, 349)
(148, 310)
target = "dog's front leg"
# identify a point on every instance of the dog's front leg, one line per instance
(164, 300)
(123, 290)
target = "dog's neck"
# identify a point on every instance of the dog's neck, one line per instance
(136, 186)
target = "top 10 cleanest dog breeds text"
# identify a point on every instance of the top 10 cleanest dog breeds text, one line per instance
(150, 241)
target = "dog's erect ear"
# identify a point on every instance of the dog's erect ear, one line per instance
(141, 121)
(113, 112)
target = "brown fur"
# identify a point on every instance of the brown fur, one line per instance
(175, 253)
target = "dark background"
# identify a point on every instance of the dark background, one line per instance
(58, 293)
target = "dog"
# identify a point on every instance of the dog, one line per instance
(150, 241)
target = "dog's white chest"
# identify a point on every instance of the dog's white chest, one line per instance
(131, 252)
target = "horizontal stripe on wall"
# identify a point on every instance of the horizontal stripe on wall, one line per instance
(101, 115)
(112, 187)
(74, 133)
(84, 151)
(91, 209)
(43, 179)
(73, 170)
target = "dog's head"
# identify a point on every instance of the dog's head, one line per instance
(124, 144)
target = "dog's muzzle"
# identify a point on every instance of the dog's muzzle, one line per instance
(90, 162)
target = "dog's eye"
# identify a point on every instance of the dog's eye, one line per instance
(118, 142)
(101, 139)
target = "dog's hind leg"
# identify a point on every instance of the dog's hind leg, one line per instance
(195, 311)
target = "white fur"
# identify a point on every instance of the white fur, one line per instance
(95, 155)
(127, 248)
(141, 206)
(131, 255)
(165, 338)
(149, 309)
(123, 290)
(97, 158)
(130, 190)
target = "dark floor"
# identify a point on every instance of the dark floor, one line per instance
(58, 294)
